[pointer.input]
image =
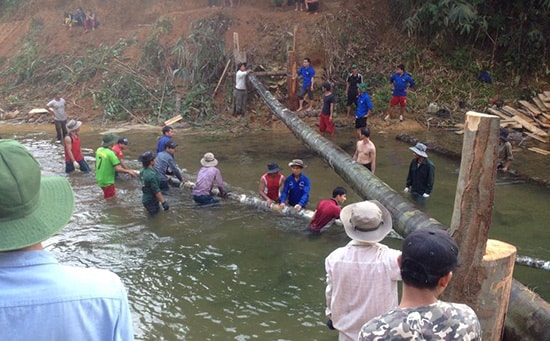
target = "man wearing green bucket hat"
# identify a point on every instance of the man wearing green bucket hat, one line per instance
(106, 166)
(41, 299)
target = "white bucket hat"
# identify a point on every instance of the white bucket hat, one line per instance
(419, 149)
(208, 160)
(367, 221)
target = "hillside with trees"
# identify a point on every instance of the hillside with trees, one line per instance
(148, 59)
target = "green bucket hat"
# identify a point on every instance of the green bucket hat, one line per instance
(32, 208)
(362, 87)
(109, 140)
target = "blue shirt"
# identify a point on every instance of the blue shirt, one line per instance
(364, 104)
(400, 83)
(161, 145)
(41, 299)
(307, 74)
(297, 191)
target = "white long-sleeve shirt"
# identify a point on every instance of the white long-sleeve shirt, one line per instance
(361, 284)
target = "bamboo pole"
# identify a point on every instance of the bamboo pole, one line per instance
(406, 218)
(221, 78)
(292, 81)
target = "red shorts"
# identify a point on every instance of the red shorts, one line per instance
(325, 124)
(401, 100)
(109, 191)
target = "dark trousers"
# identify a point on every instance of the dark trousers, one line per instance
(240, 101)
(152, 207)
(205, 199)
(69, 167)
(60, 129)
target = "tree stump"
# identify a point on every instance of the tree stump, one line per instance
(484, 279)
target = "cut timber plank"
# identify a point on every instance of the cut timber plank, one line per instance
(498, 113)
(540, 103)
(531, 107)
(527, 125)
(538, 138)
(540, 151)
(172, 120)
(547, 94)
(38, 111)
(545, 101)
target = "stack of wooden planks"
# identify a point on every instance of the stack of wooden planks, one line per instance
(532, 117)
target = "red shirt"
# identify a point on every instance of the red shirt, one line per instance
(118, 151)
(75, 148)
(327, 210)
(272, 185)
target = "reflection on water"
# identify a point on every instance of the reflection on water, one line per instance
(237, 272)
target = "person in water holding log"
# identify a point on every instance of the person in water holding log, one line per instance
(429, 257)
(271, 183)
(208, 177)
(327, 211)
(152, 195)
(297, 186)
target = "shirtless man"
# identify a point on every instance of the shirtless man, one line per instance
(365, 152)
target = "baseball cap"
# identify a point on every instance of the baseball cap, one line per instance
(427, 255)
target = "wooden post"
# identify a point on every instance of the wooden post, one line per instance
(292, 81)
(484, 279)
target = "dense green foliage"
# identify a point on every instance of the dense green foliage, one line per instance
(512, 34)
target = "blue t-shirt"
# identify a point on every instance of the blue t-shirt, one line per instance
(400, 83)
(161, 145)
(44, 300)
(307, 74)
(364, 104)
(297, 191)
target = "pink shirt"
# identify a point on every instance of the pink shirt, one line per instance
(361, 284)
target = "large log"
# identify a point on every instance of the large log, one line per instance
(405, 217)
(528, 315)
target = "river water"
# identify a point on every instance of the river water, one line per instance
(237, 272)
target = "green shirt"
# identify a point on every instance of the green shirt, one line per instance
(105, 162)
(151, 184)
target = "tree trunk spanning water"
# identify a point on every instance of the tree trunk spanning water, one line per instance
(406, 218)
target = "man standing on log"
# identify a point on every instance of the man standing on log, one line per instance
(420, 180)
(429, 257)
